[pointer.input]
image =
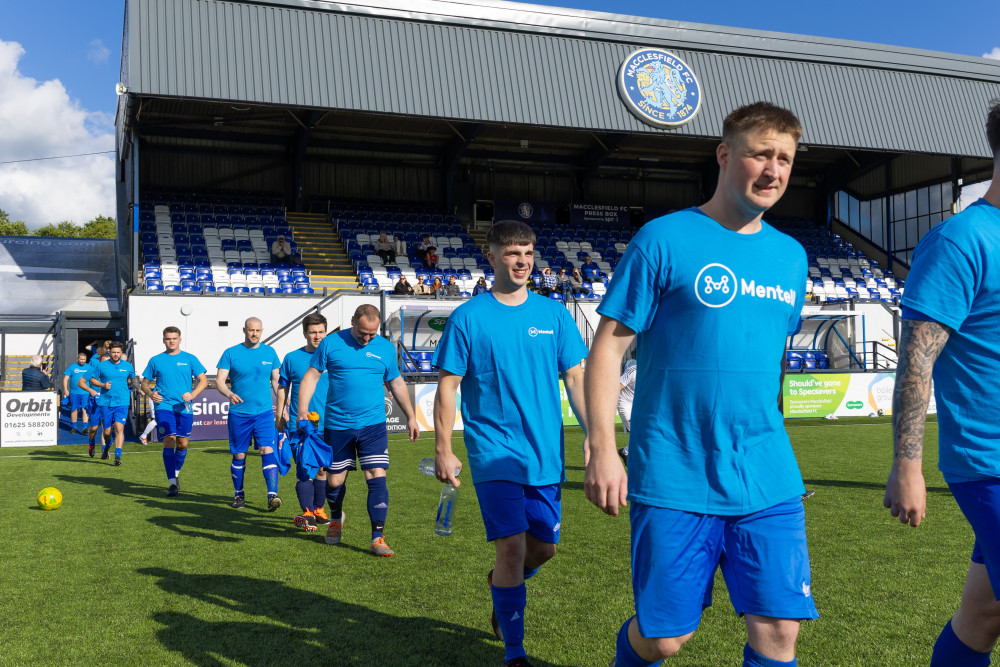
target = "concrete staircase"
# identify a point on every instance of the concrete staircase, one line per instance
(16, 363)
(322, 252)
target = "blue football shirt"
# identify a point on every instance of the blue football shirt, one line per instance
(955, 280)
(173, 375)
(250, 375)
(356, 391)
(293, 369)
(118, 375)
(510, 358)
(75, 373)
(711, 309)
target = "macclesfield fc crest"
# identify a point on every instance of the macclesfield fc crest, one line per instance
(659, 88)
(525, 210)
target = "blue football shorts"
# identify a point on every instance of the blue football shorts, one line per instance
(509, 508)
(763, 556)
(368, 444)
(96, 414)
(78, 401)
(172, 423)
(244, 428)
(979, 501)
(113, 413)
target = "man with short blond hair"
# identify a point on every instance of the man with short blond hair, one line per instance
(709, 359)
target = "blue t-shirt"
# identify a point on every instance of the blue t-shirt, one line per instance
(356, 393)
(293, 369)
(250, 375)
(118, 375)
(173, 375)
(510, 358)
(955, 280)
(75, 372)
(711, 309)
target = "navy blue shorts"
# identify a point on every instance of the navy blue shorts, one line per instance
(763, 556)
(979, 501)
(171, 423)
(368, 444)
(78, 401)
(244, 428)
(509, 508)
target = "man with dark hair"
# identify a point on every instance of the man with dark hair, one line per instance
(359, 363)
(252, 367)
(706, 414)
(173, 371)
(76, 394)
(114, 377)
(951, 335)
(449, 289)
(514, 437)
(94, 408)
(589, 269)
(310, 488)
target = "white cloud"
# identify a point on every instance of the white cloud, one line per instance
(995, 53)
(39, 119)
(98, 53)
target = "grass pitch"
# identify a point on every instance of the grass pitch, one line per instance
(122, 575)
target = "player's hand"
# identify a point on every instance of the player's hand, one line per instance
(606, 482)
(186, 396)
(156, 397)
(279, 423)
(235, 399)
(306, 427)
(906, 493)
(445, 467)
(414, 428)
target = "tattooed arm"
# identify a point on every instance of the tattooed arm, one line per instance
(920, 343)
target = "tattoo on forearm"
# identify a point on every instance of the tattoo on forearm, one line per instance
(920, 343)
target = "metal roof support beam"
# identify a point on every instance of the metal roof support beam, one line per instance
(450, 158)
(592, 160)
(956, 188)
(302, 136)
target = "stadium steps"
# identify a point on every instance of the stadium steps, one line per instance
(15, 363)
(479, 236)
(322, 252)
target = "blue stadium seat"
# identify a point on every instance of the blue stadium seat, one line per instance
(257, 290)
(304, 290)
(243, 290)
(223, 288)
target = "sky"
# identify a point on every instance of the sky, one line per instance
(60, 61)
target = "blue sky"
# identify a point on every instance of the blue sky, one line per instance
(60, 60)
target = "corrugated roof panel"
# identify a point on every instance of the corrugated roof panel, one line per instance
(296, 56)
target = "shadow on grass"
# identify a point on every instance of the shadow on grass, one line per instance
(875, 486)
(303, 627)
(196, 514)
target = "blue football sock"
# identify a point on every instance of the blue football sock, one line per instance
(237, 469)
(319, 493)
(753, 659)
(508, 605)
(625, 655)
(118, 452)
(170, 463)
(179, 456)
(304, 489)
(950, 651)
(529, 573)
(378, 505)
(335, 496)
(269, 466)
(73, 425)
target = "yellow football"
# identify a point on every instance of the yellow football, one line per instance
(49, 498)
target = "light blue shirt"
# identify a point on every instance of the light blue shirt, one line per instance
(510, 358)
(173, 375)
(77, 371)
(293, 369)
(118, 375)
(955, 280)
(250, 375)
(711, 309)
(356, 396)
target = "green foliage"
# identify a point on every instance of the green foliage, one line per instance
(121, 573)
(64, 229)
(8, 228)
(101, 227)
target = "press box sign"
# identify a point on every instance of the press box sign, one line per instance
(28, 418)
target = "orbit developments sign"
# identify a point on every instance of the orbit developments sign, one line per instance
(659, 88)
(28, 418)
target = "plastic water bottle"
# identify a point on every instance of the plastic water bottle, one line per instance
(188, 407)
(426, 466)
(446, 511)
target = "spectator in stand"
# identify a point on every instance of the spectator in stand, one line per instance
(436, 286)
(590, 269)
(33, 378)
(423, 247)
(423, 287)
(431, 258)
(576, 281)
(563, 282)
(548, 282)
(385, 249)
(403, 287)
(450, 289)
(281, 252)
(480, 287)
(398, 246)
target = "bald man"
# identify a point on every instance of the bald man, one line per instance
(252, 369)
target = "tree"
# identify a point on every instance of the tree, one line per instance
(101, 227)
(8, 228)
(64, 229)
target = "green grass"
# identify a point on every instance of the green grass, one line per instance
(122, 575)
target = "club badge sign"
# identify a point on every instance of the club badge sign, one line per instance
(659, 88)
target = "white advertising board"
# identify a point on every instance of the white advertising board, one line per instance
(28, 418)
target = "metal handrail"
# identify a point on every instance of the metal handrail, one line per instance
(582, 323)
(294, 322)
